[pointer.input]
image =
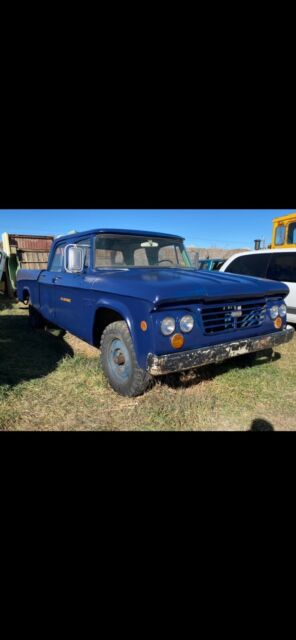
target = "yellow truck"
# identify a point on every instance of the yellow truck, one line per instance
(284, 232)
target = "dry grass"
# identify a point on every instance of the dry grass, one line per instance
(51, 384)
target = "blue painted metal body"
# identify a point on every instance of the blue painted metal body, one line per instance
(75, 301)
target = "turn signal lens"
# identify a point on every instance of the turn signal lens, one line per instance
(278, 323)
(144, 325)
(177, 341)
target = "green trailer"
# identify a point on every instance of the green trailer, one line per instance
(24, 252)
(3, 258)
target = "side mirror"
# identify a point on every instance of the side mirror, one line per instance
(73, 259)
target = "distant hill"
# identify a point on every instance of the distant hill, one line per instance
(214, 252)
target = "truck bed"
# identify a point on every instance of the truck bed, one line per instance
(28, 281)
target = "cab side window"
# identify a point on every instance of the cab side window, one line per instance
(280, 235)
(254, 265)
(292, 233)
(85, 245)
(57, 264)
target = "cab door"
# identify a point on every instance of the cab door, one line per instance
(71, 296)
(48, 280)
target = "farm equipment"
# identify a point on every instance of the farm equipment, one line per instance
(2, 267)
(284, 232)
(2, 263)
(24, 252)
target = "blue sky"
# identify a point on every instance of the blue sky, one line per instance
(203, 228)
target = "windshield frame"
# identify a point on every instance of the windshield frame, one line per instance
(161, 240)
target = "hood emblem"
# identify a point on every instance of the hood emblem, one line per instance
(236, 312)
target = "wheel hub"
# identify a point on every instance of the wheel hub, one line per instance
(119, 358)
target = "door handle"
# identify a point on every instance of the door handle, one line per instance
(56, 278)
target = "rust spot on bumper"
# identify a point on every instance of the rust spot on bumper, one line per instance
(174, 362)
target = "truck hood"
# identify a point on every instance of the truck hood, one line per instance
(175, 286)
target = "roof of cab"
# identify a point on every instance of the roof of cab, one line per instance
(124, 232)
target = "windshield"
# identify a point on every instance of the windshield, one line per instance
(121, 251)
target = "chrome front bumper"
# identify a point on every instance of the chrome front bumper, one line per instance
(173, 362)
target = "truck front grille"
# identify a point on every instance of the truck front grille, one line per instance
(233, 316)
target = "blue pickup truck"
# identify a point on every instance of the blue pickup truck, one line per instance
(136, 295)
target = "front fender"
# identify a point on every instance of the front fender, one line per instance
(133, 312)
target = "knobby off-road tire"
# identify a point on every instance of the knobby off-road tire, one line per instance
(35, 319)
(119, 362)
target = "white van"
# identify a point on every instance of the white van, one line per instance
(272, 264)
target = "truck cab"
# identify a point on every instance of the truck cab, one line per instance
(136, 295)
(284, 232)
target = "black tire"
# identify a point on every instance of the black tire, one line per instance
(119, 362)
(35, 319)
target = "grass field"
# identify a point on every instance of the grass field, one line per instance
(49, 383)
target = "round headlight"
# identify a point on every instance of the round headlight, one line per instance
(168, 326)
(274, 311)
(283, 310)
(186, 324)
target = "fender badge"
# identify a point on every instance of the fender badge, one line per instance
(66, 299)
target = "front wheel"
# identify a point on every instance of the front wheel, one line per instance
(119, 361)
